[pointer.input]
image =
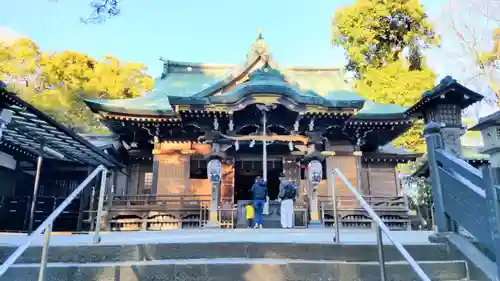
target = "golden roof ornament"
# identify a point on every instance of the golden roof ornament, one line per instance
(260, 47)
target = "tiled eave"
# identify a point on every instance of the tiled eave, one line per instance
(30, 130)
(389, 158)
(381, 122)
(448, 89)
(111, 116)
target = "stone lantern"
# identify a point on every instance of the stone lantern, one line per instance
(214, 174)
(490, 131)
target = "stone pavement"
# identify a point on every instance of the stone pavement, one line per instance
(320, 236)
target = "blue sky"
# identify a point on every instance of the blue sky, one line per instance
(218, 31)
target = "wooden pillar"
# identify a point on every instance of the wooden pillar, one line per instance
(133, 180)
(227, 184)
(154, 187)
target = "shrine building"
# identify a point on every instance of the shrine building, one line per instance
(258, 119)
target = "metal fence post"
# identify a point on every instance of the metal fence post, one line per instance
(335, 211)
(434, 140)
(45, 251)
(102, 190)
(381, 258)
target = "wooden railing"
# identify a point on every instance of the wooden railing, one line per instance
(14, 213)
(162, 212)
(157, 200)
(392, 210)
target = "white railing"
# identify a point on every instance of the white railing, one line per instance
(380, 227)
(46, 226)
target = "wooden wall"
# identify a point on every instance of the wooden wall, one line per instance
(349, 167)
(381, 179)
(173, 174)
(200, 186)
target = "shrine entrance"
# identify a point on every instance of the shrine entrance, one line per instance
(247, 170)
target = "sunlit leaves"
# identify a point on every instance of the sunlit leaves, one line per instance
(395, 83)
(376, 35)
(376, 32)
(57, 82)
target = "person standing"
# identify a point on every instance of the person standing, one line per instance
(250, 214)
(259, 193)
(287, 196)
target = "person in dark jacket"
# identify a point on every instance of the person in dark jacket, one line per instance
(259, 193)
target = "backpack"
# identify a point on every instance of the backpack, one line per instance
(290, 191)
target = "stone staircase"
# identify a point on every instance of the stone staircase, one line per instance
(235, 261)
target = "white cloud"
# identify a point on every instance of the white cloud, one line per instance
(8, 35)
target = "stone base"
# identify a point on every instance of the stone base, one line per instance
(211, 224)
(439, 237)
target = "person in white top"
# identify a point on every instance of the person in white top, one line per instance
(287, 196)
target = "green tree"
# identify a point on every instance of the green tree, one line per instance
(383, 41)
(58, 82)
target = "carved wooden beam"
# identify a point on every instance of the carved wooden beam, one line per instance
(284, 138)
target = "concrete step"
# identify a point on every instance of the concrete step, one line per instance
(236, 270)
(164, 251)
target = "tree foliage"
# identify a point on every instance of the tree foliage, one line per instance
(58, 82)
(374, 32)
(383, 41)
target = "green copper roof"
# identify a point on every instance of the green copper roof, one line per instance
(195, 84)
(372, 108)
(320, 80)
(344, 95)
(182, 84)
(154, 103)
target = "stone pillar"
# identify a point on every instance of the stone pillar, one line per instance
(312, 193)
(490, 131)
(214, 173)
(214, 204)
(434, 140)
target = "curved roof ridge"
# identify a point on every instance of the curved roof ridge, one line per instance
(197, 64)
(307, 68)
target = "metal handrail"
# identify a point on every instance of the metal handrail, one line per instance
(381, 227)
(47, 224)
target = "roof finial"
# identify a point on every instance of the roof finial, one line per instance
(260, 34)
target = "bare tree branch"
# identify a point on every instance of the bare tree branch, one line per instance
(102, 10)
(473, 27)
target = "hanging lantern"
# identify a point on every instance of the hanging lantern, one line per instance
(214, 170)
(314, 172)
